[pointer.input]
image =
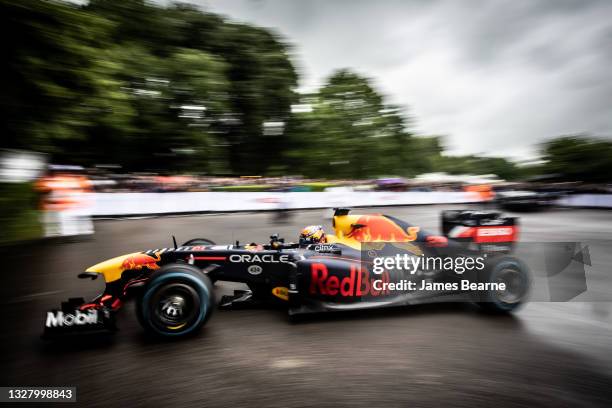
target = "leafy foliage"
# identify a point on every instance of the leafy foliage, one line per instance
(148, 87)
(578, 158)
(349, 132)
(499, 166)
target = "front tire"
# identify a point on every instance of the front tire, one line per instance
(177, 300)
(201, 242)
(198, 241)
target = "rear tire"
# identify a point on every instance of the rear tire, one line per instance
(177, 300)
(517, 277)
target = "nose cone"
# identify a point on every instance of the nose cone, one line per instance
(113, 268)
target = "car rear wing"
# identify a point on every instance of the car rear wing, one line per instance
(487, 231)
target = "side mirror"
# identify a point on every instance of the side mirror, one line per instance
(88, 275)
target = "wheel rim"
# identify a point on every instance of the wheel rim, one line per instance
(175, 306)
(515, 286)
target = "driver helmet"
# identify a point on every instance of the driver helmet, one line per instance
(312, 234)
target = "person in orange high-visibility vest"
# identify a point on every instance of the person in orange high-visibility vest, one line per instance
(485, 191)
(65, 204)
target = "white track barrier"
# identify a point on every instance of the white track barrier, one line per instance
(131, 204)
(586, 200)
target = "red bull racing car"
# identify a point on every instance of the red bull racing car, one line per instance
(361, 266)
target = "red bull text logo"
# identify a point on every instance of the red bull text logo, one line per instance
(358, 283)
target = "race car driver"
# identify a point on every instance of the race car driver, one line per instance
(312, 234)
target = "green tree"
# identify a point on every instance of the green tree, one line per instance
(473, 164)
(55, 77)
(425, 154)
(261, 79)
(578, 158)
(149, 87)
(350, 132)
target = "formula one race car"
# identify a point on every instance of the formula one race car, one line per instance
(372, 261)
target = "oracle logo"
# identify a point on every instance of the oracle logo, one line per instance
(265, 258)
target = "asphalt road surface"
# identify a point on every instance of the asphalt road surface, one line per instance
(548, 354)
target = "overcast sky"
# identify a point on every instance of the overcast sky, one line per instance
(495, 77)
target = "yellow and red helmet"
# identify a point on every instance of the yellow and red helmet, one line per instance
(312, 234)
